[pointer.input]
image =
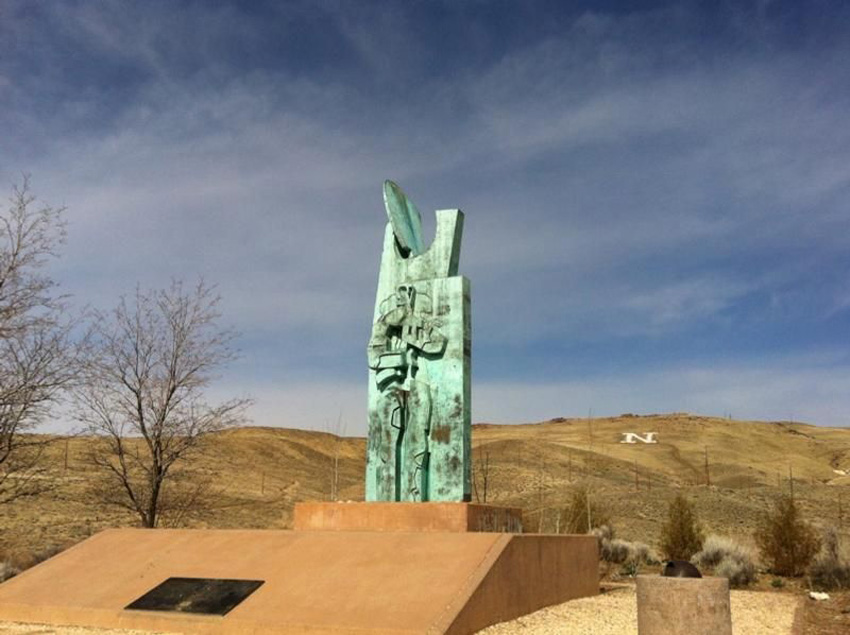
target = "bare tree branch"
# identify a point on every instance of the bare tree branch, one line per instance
(142, 395)
(36, 363)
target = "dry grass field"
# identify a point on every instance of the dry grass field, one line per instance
(256, 476)
(732, 470)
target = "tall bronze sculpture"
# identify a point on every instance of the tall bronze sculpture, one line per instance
(419, 362)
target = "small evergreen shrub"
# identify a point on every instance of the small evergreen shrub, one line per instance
(574, 517)
(786, 541)
(681, 534)
(830, 570)
(777, 583)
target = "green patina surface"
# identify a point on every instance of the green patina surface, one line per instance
(419, 362)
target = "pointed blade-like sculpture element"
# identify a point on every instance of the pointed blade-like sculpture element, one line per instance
(405, 219)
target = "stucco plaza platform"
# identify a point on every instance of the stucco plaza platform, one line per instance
(319, 581)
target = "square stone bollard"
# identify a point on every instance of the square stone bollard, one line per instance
(683, 606)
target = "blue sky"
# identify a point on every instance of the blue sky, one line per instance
(657, 194)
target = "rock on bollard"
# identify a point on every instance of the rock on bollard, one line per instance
(683, 606)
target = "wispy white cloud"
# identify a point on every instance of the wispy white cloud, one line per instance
(680, 302)
(625, 178)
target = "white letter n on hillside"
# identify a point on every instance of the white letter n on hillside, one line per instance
(634, 437)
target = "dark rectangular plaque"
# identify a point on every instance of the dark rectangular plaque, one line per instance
(208, 596)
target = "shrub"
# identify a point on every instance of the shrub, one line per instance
(611, 549)
(740, 572)
(574, 519)
(639, 555)
(786, 541)
(616, 551)
(47, 552)
(640, 552)
(14, 562)
(629, 554)
(630, 569)
(716, 548)
(829, 569)
(681, 535)
(605, 532)
(729, 559)
(7, 570)
(777, 583)
(23, 560)
(712, 552)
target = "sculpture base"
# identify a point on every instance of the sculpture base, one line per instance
(316, 582)
(683, 606)
(453, 517)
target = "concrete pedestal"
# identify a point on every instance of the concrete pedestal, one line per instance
(683, 606)
(375, 575)
(428, 517)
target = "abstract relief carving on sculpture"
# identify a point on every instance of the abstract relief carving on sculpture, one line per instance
(419, 361)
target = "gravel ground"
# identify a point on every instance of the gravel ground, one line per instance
(15, 628)
(615, 613)
(611, 613)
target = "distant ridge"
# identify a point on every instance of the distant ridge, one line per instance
(258, 473)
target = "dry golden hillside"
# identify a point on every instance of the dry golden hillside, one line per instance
(257, 474)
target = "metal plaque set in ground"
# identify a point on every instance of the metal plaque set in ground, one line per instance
(196, 595)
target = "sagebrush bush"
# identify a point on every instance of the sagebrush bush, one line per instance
(681, 534)
(7, 570)
(739, 572)
(611, 549)
(14, 562)
(830, 570)
(605, 532)
(786, 541)
(23, 560)
(574, 518)
(641, 552)
(714, 549)
(47, 552)
(728, 558)
(617, 551)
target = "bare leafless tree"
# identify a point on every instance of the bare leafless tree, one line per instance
(481, 475)
(35, 350)
(338, 433)
(141, 396)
